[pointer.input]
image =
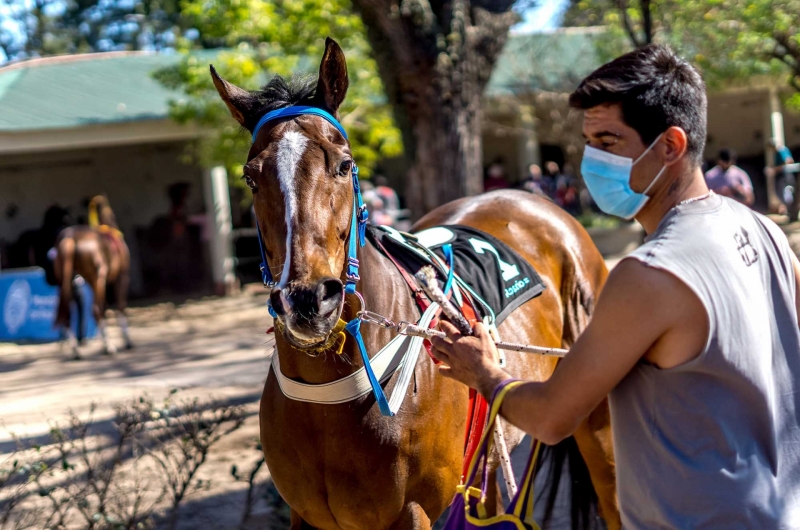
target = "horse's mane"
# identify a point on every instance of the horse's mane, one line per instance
(280, 93)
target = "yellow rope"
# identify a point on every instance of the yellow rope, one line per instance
(93, 217)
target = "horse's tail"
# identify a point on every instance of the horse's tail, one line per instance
(584, 503)
(65, 271)
(578, 292)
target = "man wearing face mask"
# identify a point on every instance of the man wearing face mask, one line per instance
(695, 337)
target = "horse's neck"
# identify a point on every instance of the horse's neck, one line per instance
(384, 292)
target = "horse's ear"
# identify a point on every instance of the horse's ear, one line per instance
(333, 83)
(237, 99)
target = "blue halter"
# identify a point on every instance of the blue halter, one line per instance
(358, 226)
(358, 223)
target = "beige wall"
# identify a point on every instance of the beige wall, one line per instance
(736, 119)
(739, 121)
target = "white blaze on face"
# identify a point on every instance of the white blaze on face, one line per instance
(290, 151)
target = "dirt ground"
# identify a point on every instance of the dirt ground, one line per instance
(214, 348)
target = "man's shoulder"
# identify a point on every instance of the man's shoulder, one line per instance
(713, 172)
(649, 284)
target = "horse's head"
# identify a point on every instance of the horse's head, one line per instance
(100, 212)
(300, 172)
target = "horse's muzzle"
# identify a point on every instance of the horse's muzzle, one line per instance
(308, 312)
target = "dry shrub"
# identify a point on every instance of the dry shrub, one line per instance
(117, 475)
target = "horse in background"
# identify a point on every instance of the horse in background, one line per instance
(345, 465)
(98, 254)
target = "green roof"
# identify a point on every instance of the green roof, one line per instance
(71, 91)
(553, 61)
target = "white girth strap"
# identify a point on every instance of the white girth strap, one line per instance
(401, 353)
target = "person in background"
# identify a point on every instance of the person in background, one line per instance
(552, 175)
(567, 196)
(534, 182)
(495, 177)
(728, 179)
(375, 205)
(784, 180)
(391, 202)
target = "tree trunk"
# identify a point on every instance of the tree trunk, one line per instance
(435, 59)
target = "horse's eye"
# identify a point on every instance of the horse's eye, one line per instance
(345, 167)
(250, 183)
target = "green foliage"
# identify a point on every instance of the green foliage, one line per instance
(265, 38)
(731, 41)
(598, 220)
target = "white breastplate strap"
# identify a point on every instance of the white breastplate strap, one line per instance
(401, 353)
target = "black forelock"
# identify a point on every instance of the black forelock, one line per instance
(280, 93)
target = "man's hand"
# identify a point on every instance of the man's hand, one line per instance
(470, 360)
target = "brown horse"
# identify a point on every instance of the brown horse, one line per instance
(97, 253)
(346, 466)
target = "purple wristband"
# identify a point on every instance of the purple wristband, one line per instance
(501, 386)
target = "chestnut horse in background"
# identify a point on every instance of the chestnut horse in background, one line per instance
(346, 466)
(98, 254)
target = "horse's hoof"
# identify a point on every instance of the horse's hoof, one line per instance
(76, 356)
(111, 350)
(128, 345)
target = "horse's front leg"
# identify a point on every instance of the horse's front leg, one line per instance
(121, 287)
(413, 517)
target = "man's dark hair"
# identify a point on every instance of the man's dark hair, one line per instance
(656, 89)
(727, 155)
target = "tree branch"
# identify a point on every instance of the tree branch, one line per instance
(622, 5)
(647, 21)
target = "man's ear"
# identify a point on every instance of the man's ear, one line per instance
(239, 101)
(333, 82)
(676, 143)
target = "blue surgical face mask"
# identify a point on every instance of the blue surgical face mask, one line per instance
(608, 177)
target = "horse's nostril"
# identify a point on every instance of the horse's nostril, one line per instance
(329, 296)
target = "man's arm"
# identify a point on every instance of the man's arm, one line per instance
(744, 187)
(639, 307)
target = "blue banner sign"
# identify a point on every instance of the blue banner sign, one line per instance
(28, 307)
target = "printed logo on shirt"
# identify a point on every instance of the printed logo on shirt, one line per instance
(746, 250)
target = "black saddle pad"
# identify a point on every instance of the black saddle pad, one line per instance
(492, 269)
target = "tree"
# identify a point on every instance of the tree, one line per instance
(730, 40)
(278, 37)
(49, 27)
(635, 21)
(435, 58)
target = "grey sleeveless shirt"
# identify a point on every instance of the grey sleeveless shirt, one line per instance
(715, 442)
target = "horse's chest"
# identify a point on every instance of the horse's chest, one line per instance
(329, 467)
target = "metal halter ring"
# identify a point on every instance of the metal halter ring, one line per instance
(362, 303)
(374, 318)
